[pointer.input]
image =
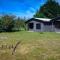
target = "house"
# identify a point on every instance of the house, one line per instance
(43, 24)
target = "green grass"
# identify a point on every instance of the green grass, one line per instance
(33, 46)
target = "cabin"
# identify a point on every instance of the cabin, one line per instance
(43, 24)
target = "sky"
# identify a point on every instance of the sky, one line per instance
(21, 8)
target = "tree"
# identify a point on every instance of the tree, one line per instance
(1, 24)
(11, 23)
(19, 23)
(50, 9)
(7, 22)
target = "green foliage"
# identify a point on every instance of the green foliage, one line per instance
(50, 9)
(1, 25)
(7, 22)
(19, 23)
(39, 15)
(10, 23)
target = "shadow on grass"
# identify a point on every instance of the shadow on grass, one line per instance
(11, 31)
(41, 32)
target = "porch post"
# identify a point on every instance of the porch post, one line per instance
(34, 26)
(52, 27)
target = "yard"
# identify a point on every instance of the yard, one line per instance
(32, 46)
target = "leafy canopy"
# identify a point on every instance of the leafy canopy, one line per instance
(50, 9)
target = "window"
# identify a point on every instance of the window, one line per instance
(38, 26)
(31, 25)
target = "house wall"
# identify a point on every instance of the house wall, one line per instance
(44, 28)
(57, 30)
(50, 28)
(34, 29)
(47, 28)
(55, 25)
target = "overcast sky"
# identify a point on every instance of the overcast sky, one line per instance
(21, 8)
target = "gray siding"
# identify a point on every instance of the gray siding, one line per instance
(44, 28)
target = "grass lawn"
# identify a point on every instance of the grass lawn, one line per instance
(33, 46)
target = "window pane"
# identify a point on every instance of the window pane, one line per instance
(30, 25)
(38, 26)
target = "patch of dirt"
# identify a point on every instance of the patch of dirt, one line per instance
(24, 49)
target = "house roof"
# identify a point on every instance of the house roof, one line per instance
(39, 20)
(56, 19)
(43, 19)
